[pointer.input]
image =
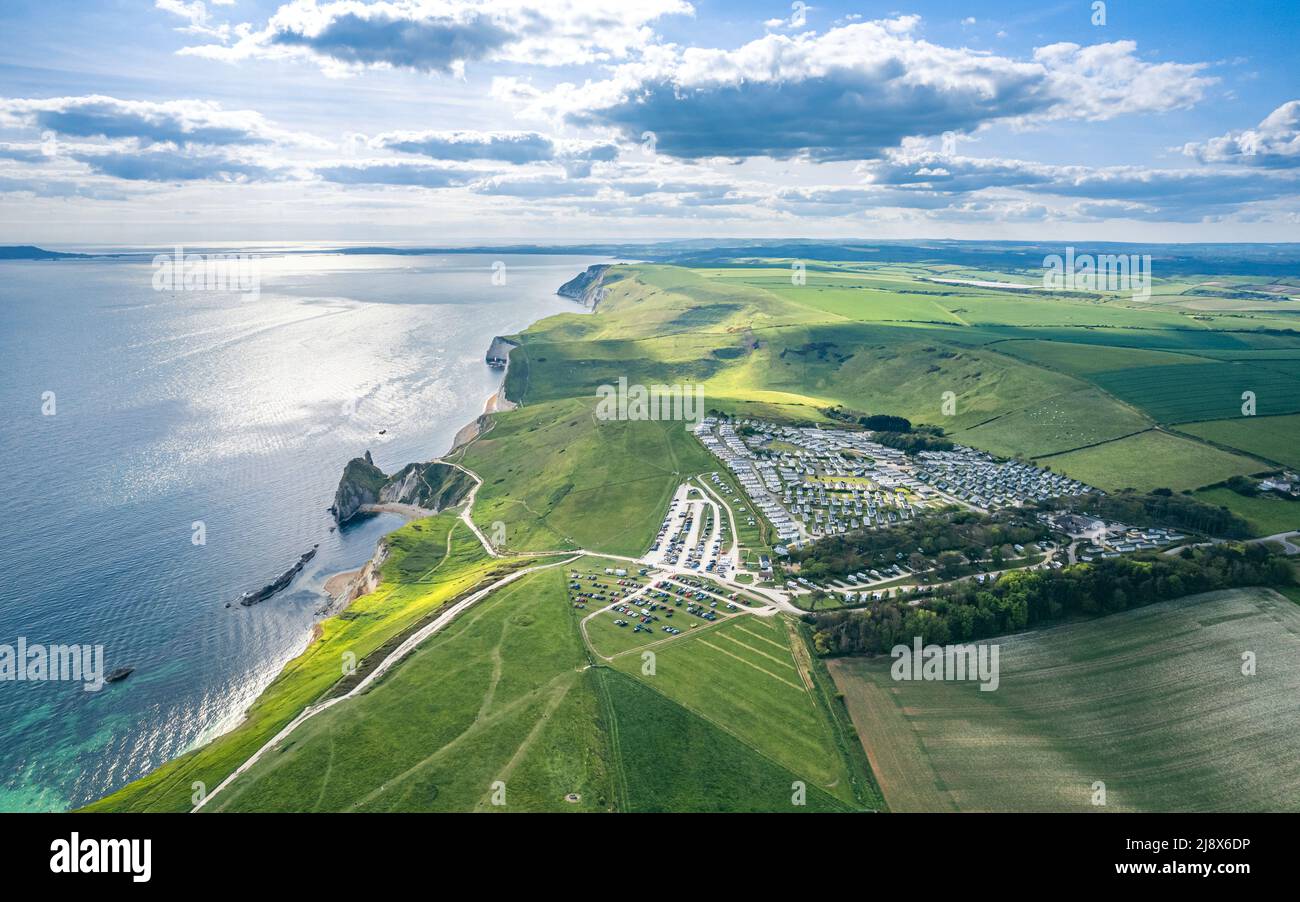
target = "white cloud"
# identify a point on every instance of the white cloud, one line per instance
(178, 122)
(443, 35)
(854, 92)
(1273, 144)
(196, 13)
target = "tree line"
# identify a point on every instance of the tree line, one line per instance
(972, 535)
(1021, 599)
(1159, 507)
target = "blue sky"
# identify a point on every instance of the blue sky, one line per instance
(453, 121)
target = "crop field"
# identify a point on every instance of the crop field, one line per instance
(741, 676)
(1150, 702)
(676, 761)
(1273, 438)
(1082, 359)
(1152, 460)
(1203, 391)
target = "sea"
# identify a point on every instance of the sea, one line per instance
(165, 448)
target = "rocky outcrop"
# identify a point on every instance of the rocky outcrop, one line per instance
(360, 485)
(585, 286)
(430, 486)
(248, 599)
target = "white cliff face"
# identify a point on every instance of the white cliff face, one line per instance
(431, 487)
(407, 487)
(585, 286)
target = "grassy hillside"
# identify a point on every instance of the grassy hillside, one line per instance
(430, 563)
(507, 695)
(558, 478)
(737, 712)
(1073, 381)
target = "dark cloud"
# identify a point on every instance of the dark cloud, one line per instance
(41, 187)
(426, 45)
(844, 115)
(173, 166)
(170, 122)
(505, 147)
(857, 91)
(1180, 193)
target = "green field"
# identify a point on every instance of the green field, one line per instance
(506, 695)
(741, 676)
(558, 478)
(512, 690)
(1152, 460)
(1272, 438)
(1204, 391)
(1151, 702)
(1037, 375)
(1267, 514)
(460, 714)
(1083, 360)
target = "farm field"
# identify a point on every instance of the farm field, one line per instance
(514, 690)
(1274, 438)
(1151, 702)
(1059, 423)
(1072, 382)
(1204, 391)
(1082, 359)
(741, 676)
(1151, 460)
(1267, 516)
(676, 761)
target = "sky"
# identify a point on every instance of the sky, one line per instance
(454, 122)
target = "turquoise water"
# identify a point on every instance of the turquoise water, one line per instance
(174, 407)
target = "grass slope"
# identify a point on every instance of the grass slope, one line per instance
(504, 695)
(558, 478)
(742, 676)
(431, 562)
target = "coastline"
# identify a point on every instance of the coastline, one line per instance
(497, 402)
(341, 590)
(342, 587)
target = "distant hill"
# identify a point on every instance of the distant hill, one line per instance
(31, 252)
